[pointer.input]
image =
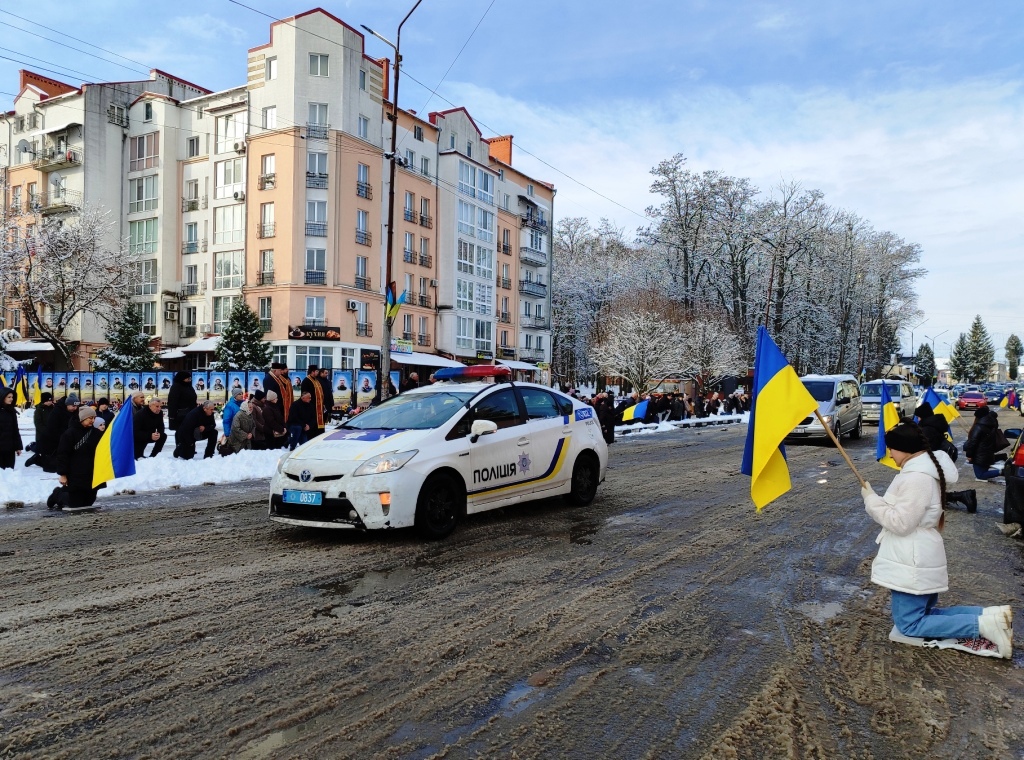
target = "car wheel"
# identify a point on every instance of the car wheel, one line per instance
(585, 476)
(439, 506)
(858, 430)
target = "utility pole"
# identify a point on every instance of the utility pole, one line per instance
(389, 286)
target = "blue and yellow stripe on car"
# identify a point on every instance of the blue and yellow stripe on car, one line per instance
(557, 461)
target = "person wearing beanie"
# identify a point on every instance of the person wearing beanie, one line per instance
(230, 410)
(980, 448)
(10, 436)
(911, 559)
(257, 402)
(275, 431)
(940, 438)
(63, 417)
(76, 453)
(181, 399)
(40, 416)
(103, 410)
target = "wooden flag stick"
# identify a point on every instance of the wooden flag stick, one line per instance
(828, 429)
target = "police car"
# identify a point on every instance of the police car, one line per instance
(471, 442)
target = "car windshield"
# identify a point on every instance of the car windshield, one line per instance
(973, 394)
(875, 389)
(411, 411)
(821, 390)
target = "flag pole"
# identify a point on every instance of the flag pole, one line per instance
(828, 429)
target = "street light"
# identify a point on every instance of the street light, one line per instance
(389, 286)
(937, 336)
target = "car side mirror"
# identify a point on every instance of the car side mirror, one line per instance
(481, 427)
(842, 401)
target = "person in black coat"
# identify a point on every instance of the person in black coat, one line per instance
(935, 429)
(103, 410)
(301, 420)
(981, 444)
(148, 425)
(181, 399)
(325, 383)
(605, 413)
(63, 416)
(76, 454)
(10, 436)
(198, 425)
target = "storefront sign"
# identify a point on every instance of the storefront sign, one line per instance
(484, 355)
(311, 332)
(399, 346)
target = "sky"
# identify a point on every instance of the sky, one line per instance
(909, 114)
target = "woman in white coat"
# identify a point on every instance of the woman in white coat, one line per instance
(911, 558)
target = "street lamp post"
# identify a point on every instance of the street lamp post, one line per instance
(389, 286)
(933, 339)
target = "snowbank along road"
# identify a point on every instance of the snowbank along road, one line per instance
(666, 620)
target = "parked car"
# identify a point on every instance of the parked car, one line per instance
(993, 396)
(839, 404)
(971, 400)
(901, 393)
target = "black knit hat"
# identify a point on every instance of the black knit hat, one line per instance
(925, 410)
(905, 438)
(45, 397)
(980, 412)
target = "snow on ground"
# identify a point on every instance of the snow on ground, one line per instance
(639, 428)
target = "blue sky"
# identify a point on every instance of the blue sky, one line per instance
(910, 114)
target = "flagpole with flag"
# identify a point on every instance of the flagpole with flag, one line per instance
(635, 412)
(115, 453)
(888, 418)
(20, 387)
(37, 393)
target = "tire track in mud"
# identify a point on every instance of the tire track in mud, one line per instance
(667, 620)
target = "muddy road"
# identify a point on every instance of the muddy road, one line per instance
(666, 620)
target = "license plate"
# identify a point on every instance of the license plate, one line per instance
(800, 430)
(302, 497)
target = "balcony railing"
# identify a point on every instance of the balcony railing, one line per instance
(534, 221)
(189, 289)
(531, 353)
(426, 220)
(422, 300)
(426, 260)
(505, 316)
(266, 230)
(422, 340)
(54, 158)
(506, 352)
(315, 277)
(316, 229)
(193, 204)
(364, 329)
(410, 215)
(191, 246)
(317, 131)
(59, 201)
(264, 278)
(536, 323)
(186, 331)
(406, 336)
(265, 325)
(532, 257)
(363, 237)
(505, 248)
(533, 288)
(316, 181)
(363, 190)
(314, 322)
(268, 181)
(505, 282)
(409, 257)
(363, 283)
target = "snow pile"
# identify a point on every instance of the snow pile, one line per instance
(639, 428)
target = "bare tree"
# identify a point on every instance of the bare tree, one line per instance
(639, 345)
(709, 351)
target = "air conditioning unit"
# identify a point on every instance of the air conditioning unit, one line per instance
(433, 283)
(172, 306)
(239, 195)
(171, 316)
(239, 147)
(352, 305)
(207, 328)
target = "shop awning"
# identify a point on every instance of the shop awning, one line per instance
(26, 346)
(203, 345)
(425, 360)
(513, 364)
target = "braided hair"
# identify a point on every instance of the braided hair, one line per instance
(911, 425)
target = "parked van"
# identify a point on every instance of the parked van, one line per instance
(839, 403)
(900, 392)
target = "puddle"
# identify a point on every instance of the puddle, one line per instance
(581, 532)
(820, 612)
(258, 749)
(355, 592)
(643, 676)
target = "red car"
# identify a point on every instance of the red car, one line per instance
(971, 400)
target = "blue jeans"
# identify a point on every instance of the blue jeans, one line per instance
(984, 474)
(298, 436)
(916, 615)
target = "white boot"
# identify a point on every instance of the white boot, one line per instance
(990, 628)
(1003, 613)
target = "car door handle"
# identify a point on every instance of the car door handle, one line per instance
(523, 442)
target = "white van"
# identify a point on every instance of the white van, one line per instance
(839, 404)
(900, 392)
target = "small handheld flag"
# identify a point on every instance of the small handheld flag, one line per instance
(888, 418)
(635, 412)
(778, 403)
(115, 453)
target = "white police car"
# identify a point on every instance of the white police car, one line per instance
(473, 441)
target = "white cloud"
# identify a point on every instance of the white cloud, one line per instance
(206, 28)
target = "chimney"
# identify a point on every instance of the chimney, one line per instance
(500, 149)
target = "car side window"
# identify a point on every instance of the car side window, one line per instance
(501, 408)
(564, 405)
(841, 393)
(539, 404)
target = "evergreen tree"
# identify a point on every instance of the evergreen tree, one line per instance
(981, 351)
(924, 364)
(959, 360)
(128, 349)
(1014, 350)
(241, 344)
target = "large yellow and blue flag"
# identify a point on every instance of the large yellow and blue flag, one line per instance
(888, 418)
(115, 453)
(20, 387)
(37, 391)
(778, 404)
(939, 406)
(635, 412)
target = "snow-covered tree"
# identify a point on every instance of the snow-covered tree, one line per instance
(7, 362)
(1014, 351)
(241, 344)
(924, 364)
(981, 351)
(128, 349)
(710, 351)
(960, 360)
(639, 345)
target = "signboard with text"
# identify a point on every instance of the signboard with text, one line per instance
(314, 332)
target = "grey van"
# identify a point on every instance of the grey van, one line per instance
(838, 398)
(901, 393)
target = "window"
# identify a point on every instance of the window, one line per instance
(192, 190)
(316, 259)
(453, 140)
(410, 201)
(464, 295)
(464, 332)
(360, 313)
(469, 148)
(192, 147)
(417, 133)
(483, 334)
(464, 260)
(362, 219)
(485, 225)
(360, 266)
(316, 164)
(363, 128)
(142, 194)
(407, 324)
(270, 69)
(504, 271)
(424, 246)
(537, 240)
(266, 309)
(147, 112)
(423, 326)
(501, 174)
(362, 80)
(467, 179)
(227, 269)
(505, 201)
(410, 242)
(192, 234)
(16, 197)
(267, 260)
(319, 355)
(425, 166)
(270, 117)
(485, 191)
(222, 306)
(423, 286)
(280, 354)
(529, 190)
(149, 317)
(318, 113)
(316, 211)
(528, 341)
(363, 174)
(228, 225)
(142, 236)
(228, 178)
(316, 310)
(318, 65)
(147, 280)
(484, 262)
(144, 152)
(539, 404)
(230, 130)
(410, 159)
(467, 218)
(192, 275)
(408, 286)
(267, 218)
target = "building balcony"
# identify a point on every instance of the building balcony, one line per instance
(186, 331)
(504, 316)
(193, 246)
(264, 278)
(410, 215)
(409, 257)
(265, 325)
(363, 237)
(532, 257)
(422, 300)
(426, 260)
(427, 221)
(52, 158)
(505, 282)
(315, 277)
(266, 230)
(531, 353)
(364, 329)
(190, 289)
(193, 204)
(534, 222)
(317, 131)
(59, 201)
(533, 288)
(268, 181)
(363, 190)
(316, 181)
(362, 282)
(316, 229)
(422, 340)
(407, 336)
(534, 323)
(505, 248)
(506, 352)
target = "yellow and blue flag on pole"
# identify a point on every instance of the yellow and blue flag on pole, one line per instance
(778, 404)
(939, 406)
(115, 453)
(1009, 399)
(37, 392)
(635, 412)
(20, 387)
(888, 418)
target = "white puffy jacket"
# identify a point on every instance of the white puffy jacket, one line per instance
(911, 556)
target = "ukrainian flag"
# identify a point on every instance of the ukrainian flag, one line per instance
(1009, 399)
(20, 388)
(115, 453)
(939, 406)
(888, 418)
(635, 412)
(37, 393)
(778, 404)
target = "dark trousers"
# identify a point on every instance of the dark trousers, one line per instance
(187, 449)
(7, 459)
(140, 446)
(297, 436)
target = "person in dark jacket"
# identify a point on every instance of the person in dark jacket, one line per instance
(243, 428)
(259, 435)
(103, 410)
(10, 436)
(181, 399)
(605, 417)
(148, 424)
(301, 420)
(275, 430)
(40, 416)
(198, 425)
(311, 385)
(278, 381)
(76, 454)
(935, 429)
(981, 444)
(325, 383)
(63, 416)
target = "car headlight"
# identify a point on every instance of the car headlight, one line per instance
(280, 463)
(826, 418)
(389, 462)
